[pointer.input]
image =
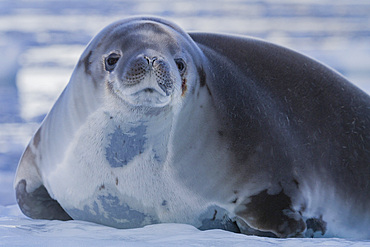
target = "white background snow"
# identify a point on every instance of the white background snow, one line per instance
(40, 42)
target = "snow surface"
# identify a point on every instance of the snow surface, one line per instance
(40, 44)
(17, 230)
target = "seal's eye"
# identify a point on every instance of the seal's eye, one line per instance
(111, 60)
(180, 65)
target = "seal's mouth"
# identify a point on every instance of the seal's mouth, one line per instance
(138, 95)
(148, 97)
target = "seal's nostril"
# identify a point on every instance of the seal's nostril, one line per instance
(150, 60)
(148, 90)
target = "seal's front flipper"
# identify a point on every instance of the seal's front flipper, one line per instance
(32, 197)
(38, 204)
(272, 213)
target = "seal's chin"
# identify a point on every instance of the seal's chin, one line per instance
(148, 98)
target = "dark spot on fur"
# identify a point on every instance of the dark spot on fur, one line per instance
(164, 203)
(116, 181)
(209, 91)
(214, 215)
(111, 117)
(102, 187)
(99, 45)
(87, 63)
(296, 183)
(220, 133)
(30, 157)
(202, 76)
(235, 192)
(109, 85)
(37, 138)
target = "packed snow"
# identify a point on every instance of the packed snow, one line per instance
(17, 230)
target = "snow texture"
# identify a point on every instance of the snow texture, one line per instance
(17, 230)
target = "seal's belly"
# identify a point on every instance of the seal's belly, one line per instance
(122, 177)
(140, 193)
(109, 209)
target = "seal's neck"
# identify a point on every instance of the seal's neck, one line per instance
(195, 124)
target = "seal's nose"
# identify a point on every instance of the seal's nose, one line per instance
(150, 60)
(151, 71)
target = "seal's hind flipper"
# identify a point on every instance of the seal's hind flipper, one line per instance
(272, 213)
(38, 204)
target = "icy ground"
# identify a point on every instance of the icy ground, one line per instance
(16, 230)
(40, 42)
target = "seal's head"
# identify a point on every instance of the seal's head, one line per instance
(144, 62)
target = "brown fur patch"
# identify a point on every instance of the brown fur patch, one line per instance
(184, 87)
